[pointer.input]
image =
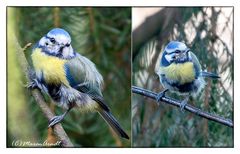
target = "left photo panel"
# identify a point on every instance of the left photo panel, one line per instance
(68, 77)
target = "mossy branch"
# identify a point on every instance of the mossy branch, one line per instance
(58, 129)
(188, 107)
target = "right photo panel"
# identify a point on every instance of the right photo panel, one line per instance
(182, 76)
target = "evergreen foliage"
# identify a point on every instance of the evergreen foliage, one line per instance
(208, 32)
(102, 35)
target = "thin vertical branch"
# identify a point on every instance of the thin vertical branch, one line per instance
(56, 16)
(91, 19)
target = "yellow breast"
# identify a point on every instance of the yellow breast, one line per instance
(51, 67)
(184, 72)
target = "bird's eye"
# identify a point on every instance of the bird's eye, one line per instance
(46, 44)
(67, 45)
(52, 40)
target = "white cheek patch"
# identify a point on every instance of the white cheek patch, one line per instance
(65, 52)
(68, 52)
(169, 58)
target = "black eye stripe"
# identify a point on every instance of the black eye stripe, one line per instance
(52, 40)
(171, 53)
(177, 51)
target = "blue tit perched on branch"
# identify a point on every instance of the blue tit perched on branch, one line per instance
(180, 71)
(69, 78)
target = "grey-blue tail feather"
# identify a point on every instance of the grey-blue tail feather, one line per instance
(111, 121)
(209, 75)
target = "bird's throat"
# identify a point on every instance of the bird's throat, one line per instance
(50, 67)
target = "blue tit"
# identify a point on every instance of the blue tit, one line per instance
(70, 79)
(181, 72)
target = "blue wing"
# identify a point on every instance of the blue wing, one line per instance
(196, 64)
(82, 75)
(198, 69)
(81, 70)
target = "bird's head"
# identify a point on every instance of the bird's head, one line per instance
(176, 52)
(57, 42)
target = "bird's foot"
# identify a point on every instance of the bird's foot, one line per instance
(35, 84)
(161, 94)
(183, 104)
(55, 120)
(33, 80)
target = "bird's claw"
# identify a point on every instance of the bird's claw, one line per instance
(55, 120)
(160, 95)
(32, 84)
(35, 84)
(183, 104)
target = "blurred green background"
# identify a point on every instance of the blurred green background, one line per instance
(102, 35)
(208, 31)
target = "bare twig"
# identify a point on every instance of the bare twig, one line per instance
(58, 129)
(188, 107)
